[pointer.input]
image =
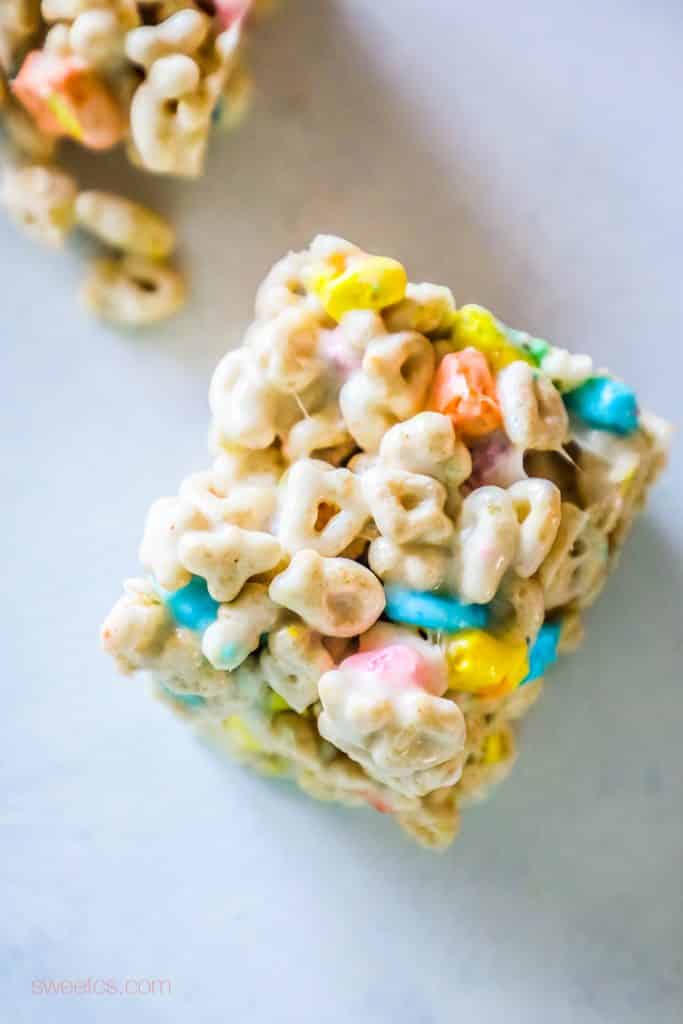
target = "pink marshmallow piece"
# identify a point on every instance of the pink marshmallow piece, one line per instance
(398, 664)
(378, 804)
(495, 461)
(229, 12)
(340, 356)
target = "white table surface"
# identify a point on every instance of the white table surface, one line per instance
(529, 154)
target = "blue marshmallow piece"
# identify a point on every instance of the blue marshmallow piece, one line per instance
(192, 606)
(543, 654)
(428, 610)
(190, 700)
(604, 404)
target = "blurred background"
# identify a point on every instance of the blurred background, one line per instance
(529, 156)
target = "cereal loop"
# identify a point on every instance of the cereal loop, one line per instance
(124, 225)
(335, 596)
(133, 291)
(40, 200)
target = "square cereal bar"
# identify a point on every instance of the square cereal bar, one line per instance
(409, 507)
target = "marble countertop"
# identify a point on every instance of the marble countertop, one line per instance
(528, 154)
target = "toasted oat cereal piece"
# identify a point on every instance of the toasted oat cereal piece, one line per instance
(133, 291)
(124, 225)
(40, 200)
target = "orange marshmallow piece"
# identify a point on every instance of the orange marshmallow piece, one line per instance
(65, 97)
(464, 389)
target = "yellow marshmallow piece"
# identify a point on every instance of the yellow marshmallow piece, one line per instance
(273, 766)
(241, 736)
(476, 328)
(277, 703)
(371, 283)
(480, 663)
(318, 278)
(64, 115)
(495, 748)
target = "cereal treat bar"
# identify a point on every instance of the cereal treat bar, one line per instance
(409, 508)
(154, 75)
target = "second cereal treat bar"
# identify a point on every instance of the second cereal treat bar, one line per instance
(409, 507)
(157, 76)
